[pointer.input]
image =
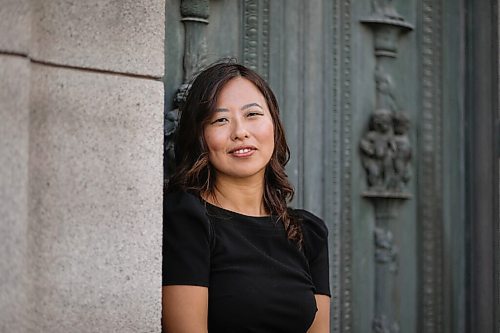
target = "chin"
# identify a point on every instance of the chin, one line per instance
(248, 173)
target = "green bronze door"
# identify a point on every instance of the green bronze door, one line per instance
(372, 94)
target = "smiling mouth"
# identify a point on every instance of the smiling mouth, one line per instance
(243, 151)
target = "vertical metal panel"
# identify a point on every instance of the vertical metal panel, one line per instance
(482, 166)
(454, 251)
(309, 68)
(292, 98)
(313, 109)
(496, 144)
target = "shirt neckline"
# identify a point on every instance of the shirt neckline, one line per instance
(236, 214)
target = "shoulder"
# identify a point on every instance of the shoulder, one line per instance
(314, 230)
(177, 204)
(187, 240)
(312, 225)
(182, 200)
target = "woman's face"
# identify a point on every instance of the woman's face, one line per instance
(240, 133)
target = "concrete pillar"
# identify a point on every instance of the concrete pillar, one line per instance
(81, 126)
(15, 26)
(124, 36)
(96, 165)
(14, 136)
(14, 123)
(95, 208)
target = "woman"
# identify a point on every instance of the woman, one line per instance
(236, 258)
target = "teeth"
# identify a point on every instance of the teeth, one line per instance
(242, 151)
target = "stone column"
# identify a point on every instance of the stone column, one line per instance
(81, 112)
(14, 135)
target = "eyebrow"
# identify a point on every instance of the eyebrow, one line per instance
(247, 106)
(244, 107)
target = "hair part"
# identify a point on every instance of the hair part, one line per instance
(194, 172)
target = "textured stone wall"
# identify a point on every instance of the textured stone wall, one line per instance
(14, 136)
(81, 126)
(14, 155)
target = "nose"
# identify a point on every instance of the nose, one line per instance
(239, 130)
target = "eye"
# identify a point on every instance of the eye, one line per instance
(219, 121)
(252, 114)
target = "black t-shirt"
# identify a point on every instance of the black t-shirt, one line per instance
(258, 281)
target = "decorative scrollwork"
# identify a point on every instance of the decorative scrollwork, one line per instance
(255, 46)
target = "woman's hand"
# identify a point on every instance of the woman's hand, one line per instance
(185, 309)
(321, 323)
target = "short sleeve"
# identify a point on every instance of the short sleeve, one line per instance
(316, 250)
(186, 241)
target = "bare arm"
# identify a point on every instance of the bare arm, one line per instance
(185, 309)
(321, 323)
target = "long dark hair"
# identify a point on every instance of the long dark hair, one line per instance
(194, 172)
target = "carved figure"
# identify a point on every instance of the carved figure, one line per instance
(385, 249)
(386, 151)
(171, 122)
(403, 153)
(170, 126)
(380, 325)
(386, 97)
(181, 94)
(378, 148)
(386, 8)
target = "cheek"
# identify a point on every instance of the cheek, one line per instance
(214, 141)
(267, 135)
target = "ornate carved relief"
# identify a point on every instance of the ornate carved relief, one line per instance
(385, 148)
(337, 236)
(195, 15)
(386, 152)
(430, 168)
(386, 252)
(170, 126)
(382, 325)
(255, 49)
(385, 8)
(195, 9)
(344, 16)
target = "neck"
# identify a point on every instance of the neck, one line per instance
(245, 196)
